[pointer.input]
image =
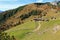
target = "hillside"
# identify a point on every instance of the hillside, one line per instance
(19, 15)
(48, 31)
(36, 21)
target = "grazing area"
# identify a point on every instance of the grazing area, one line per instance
(22, 30)
(46, 31)
(36, 21)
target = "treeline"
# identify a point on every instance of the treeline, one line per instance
(27, 15)
(5, 15)
(23, 16)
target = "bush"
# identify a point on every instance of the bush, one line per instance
(5, 36)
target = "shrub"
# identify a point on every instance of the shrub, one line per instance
(5, 36)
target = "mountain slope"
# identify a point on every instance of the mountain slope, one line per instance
(37, 21)
(46, 31)
(19, 15)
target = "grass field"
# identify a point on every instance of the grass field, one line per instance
(21, 31)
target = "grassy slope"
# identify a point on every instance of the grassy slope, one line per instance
(49, 35)
(21, 31)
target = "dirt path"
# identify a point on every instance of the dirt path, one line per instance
(38, 27)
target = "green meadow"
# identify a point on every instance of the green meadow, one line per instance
(24, 31)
